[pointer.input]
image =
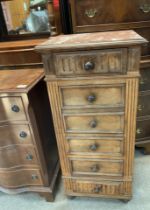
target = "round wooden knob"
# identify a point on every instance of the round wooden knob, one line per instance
(93, 147)
(29, 157)
(97, 189)
(95, 168)
(93, 124)
(34, 177)
(23, 134)
(88, 66)
(15, 108)
(91, 98)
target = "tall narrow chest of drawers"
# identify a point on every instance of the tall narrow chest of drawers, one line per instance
(92, 81)
(28, 151)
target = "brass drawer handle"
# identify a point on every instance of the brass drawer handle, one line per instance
(93, 147)
(93, 124)
(143, 81)
(15, 108)
(91, 13)
(95, 168)
(97, 189)
(29, 157)
(34, 177)
(23, 134)
(140, 107)
(139, 131)
(91, 98)
(145, 8)
(89, 66)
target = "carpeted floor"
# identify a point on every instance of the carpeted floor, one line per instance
(140, 201)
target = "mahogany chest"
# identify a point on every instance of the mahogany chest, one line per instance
(92, 81)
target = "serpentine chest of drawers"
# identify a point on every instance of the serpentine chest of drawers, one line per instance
(28, 154)
(92, 81)
(106, 15)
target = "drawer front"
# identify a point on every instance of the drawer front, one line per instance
(15, 134)
(95, 146)
(143, 128)
(144, 80)
(14, 156)
(11, 108)
(101, 167)
(94, 123)
(91, 62)
(20, 178)
(87, 12)
(95, 188)
(143, 104)
(90, 96)
(145, 32)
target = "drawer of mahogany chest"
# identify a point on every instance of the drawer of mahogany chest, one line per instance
(94, 123)
(13, 156)
(143, 128)
(145, 33)
(145, 78)
(94, 188)
(91, 62)
(97, 167)
(15, 134)
(11, 108)
(108, 146)
(95, 12)
(90, 96)
(143, 104)
(20, 178)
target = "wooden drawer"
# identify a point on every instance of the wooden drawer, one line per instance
(95, 123)
(91, 62)
(97, 167)
(15, 134)
(143, 104)
(20, 178)
(145, 32)
(11, 108)
(144, 80)
(143, 128)
(95, 188)
(13, 156)
(97, 13)
(95, 146)
(92, 96)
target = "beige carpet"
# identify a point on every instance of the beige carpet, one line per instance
(140, 201)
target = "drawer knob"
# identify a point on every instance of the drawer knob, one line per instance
(139, 131)
(91, 12)
(23, 134)
(29, 157)
(145, 8)
(97, 189)
(93, 147)
(95, 168)
(88, 66)
(15, 108)
(93, 124)
(34, 177)
(91, 98)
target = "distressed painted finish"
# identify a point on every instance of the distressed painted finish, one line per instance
(94, 114)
